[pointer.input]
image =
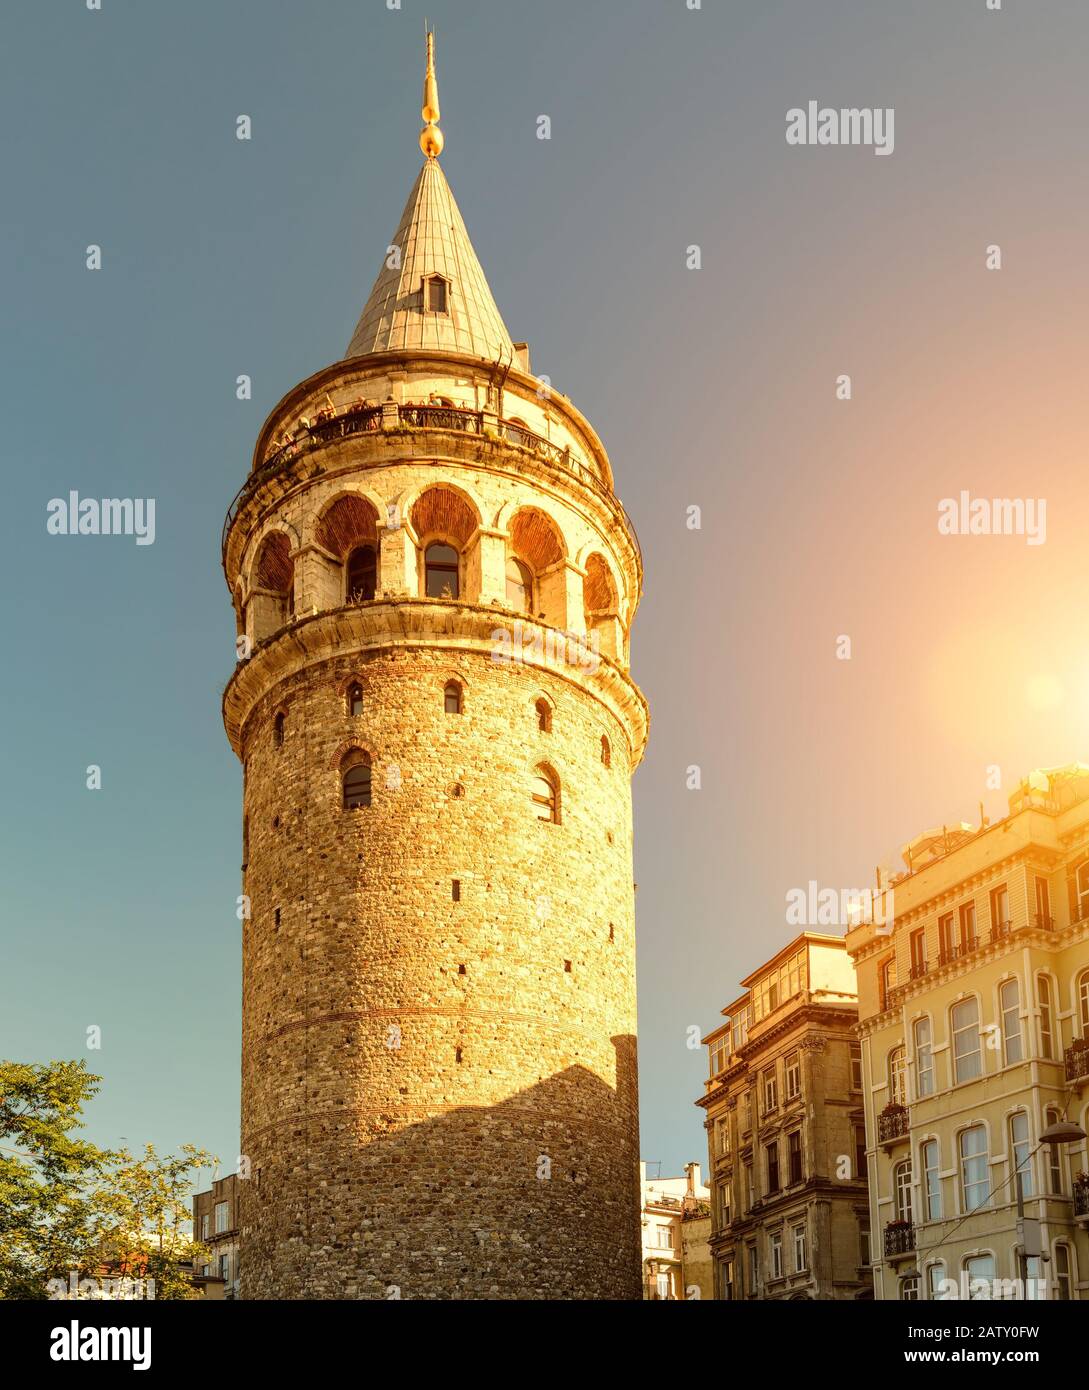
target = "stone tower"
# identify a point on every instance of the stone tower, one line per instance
(434, 585)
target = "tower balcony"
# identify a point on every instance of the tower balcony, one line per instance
(330, 425)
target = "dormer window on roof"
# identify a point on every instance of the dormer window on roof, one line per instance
(435, 296)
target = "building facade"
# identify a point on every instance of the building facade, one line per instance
(216, 1225)
(974, 1028)
(676, 1226)
(785, 1132)
(434, 585)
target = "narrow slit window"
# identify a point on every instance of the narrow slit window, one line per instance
(452, 698)
(355, 698)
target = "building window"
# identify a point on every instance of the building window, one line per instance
(782, 984)
(205, 1226)
(278, 730)
(792, 1076)
(544, 716)
(727, 1280)
(771, 1091)
(967, 1055)
(1043, 903)
(909, 1288)
(860, 1151)
(975, 1186)
(864, 1254)
(801, 1258)
(519, 586)
(225, 1268)
(1054, 1159)
(360, 574)
(1009, 998)
(739, 1029)
(746, 1112)
(901, 1182)
(897, 1076)
(1020, 1152)
(222, 1217)
(748, 1192)
(935, 1277)
(981, 1275)
(356, 784)
(545, 792)
(968, 927)
(932, 1180)
(664, 1236)
(794, 1155)
(1082, 890)
(1063, 1284)
(1047, 1034)
(771, 1157)
(918, 953)
(1000, 910)
(440, 571)
(924, 1059)
(1083, 1003)
(355, 698)
(720, 1053)
(775, 1255)
(947, 939)
(436, 295)
(606, 752)
(856, 1066)
(888, 981)
(754, 1272)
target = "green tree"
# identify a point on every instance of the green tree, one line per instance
(66, 1204)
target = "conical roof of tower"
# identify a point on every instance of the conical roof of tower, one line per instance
(433, 242)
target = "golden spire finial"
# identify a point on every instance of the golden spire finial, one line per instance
(431, 141)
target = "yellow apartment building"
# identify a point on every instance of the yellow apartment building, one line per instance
(789, 1214)
(973, 1012)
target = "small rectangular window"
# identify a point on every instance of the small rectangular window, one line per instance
(455, 889)
(436, 296)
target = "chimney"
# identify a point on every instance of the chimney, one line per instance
(692, 1171)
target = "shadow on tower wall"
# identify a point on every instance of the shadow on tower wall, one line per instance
(536, 1197)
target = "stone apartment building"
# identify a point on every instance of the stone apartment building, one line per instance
(676, 1226)
(785, 1132)
(974, 1028)
(216, 1224)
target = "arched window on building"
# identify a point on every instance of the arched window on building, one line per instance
(901, 1186)
(1047, 1019)
(519, 585)
(356, 781)
(897, 1076)
(606, 752)
(544, 716)
(361, 574)
(1083, 1003)
(355, 698)
(1081, 891)
(545, 791)
(451, 697)
(441, 571)
(278, 729)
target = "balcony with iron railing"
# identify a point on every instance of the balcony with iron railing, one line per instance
(1076, 1061)
(330, 425)
(1081, 1200)
(893, 1124)
(899, 1239)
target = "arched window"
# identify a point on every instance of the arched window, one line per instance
(451, 698)
(1083, 1003)
(897, 1076)
(1054, 1156)
(606, 752)
(356, 783)
(924, 1059)
(440, 571)
(361, 574)
(967, 1055)
(975, 1182)
(901, 1186)
(519, 585)
(1009, 999)
(545, 791)
(278, 730)
(1047, 1026)
(544, 716)
(355, 698)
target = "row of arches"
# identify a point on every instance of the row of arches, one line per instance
(442, 552)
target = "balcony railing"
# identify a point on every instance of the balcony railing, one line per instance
(1043, 921)
(1076, 1063)
(899, 1238)
(1081, 1199)
(918, 970)
(1000, 930)
(947, 954)
(329, 425)
(892, 1124)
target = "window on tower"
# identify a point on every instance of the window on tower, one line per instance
(606, 752)
(436, 299)
(355, 698)
(452, 698)
(356, 782)
(361, 573)
(544, 716)
(278, 730)
(441, 571)
(519, 585)
(545, 791)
